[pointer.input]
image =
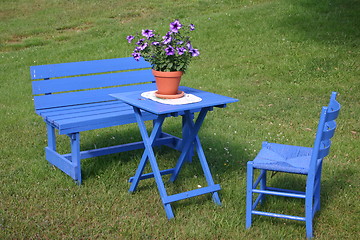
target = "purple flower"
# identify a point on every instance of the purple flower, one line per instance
(140, 42)
(181, 50)
(143, 46)
(188, 44)
(136, 55)
(180, 42)
(194, 52)
(170, 50)
(167, 38)
(147, 33)
(155, 43)
(175, 26)
(130, 38)
(192, 27)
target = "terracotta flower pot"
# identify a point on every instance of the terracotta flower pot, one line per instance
(167, 83)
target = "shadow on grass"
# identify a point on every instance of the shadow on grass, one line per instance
(94, 167)
(335, 21)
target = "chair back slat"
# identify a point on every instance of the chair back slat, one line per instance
(331, 115)
(324, 149)
(329, 130)
(326, 130)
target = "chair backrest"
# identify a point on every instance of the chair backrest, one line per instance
(326, 130)
(65, 84)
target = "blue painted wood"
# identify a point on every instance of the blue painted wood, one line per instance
(278, 215)
(151, 175)
(51, 136)
(293, 159)
(194, 129)
(92, 81)
(212, 100)
(120, 148)
(150, 156)
(109, 119)
(192, 193)
(84, 97)
(278, 193)
(75, 155)
(191, 139)
(148, 153)
(74, 97)
(86, 67)
(60, 162)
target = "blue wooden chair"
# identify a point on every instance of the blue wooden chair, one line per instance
(297, 160)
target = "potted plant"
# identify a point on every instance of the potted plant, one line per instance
(169, 55)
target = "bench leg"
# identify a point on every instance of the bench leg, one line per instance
(68, 163)
(51, 137)
(75, 156)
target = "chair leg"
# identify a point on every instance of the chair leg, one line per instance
(249, 194)
(309, 201)
(263, 185)
(317, 190)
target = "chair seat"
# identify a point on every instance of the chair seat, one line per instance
(283, 158)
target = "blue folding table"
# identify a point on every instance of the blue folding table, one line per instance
(190, 140)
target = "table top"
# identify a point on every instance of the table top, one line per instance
(208, 100)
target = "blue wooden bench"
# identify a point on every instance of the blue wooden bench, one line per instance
(74, 97)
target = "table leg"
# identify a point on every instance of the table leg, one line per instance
(185, 134)
(149, 155)
(156, 129)
(194, 138)
(206, 169)
(188, 142)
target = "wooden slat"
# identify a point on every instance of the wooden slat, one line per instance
(90, 119)
(55, 111)
(107, 120)
(104, 114)
(64, 113)
(83, 97)
(89, 115)
(324, 149)
(329, 130)
(86, 67)
(92, 81)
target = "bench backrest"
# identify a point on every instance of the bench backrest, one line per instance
(65, 84)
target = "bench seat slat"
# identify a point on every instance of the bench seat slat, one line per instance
(92, 81)
(83, 97)
(100, 121)
(74, 122)
(86, 67)
(84, 109)
(73, 117)
(96, 114)
(104, 123)
(50, 111)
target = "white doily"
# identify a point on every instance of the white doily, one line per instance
(186, 99)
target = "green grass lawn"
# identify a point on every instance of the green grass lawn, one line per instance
(281, 59)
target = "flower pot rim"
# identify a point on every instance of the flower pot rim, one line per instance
(164, 74)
